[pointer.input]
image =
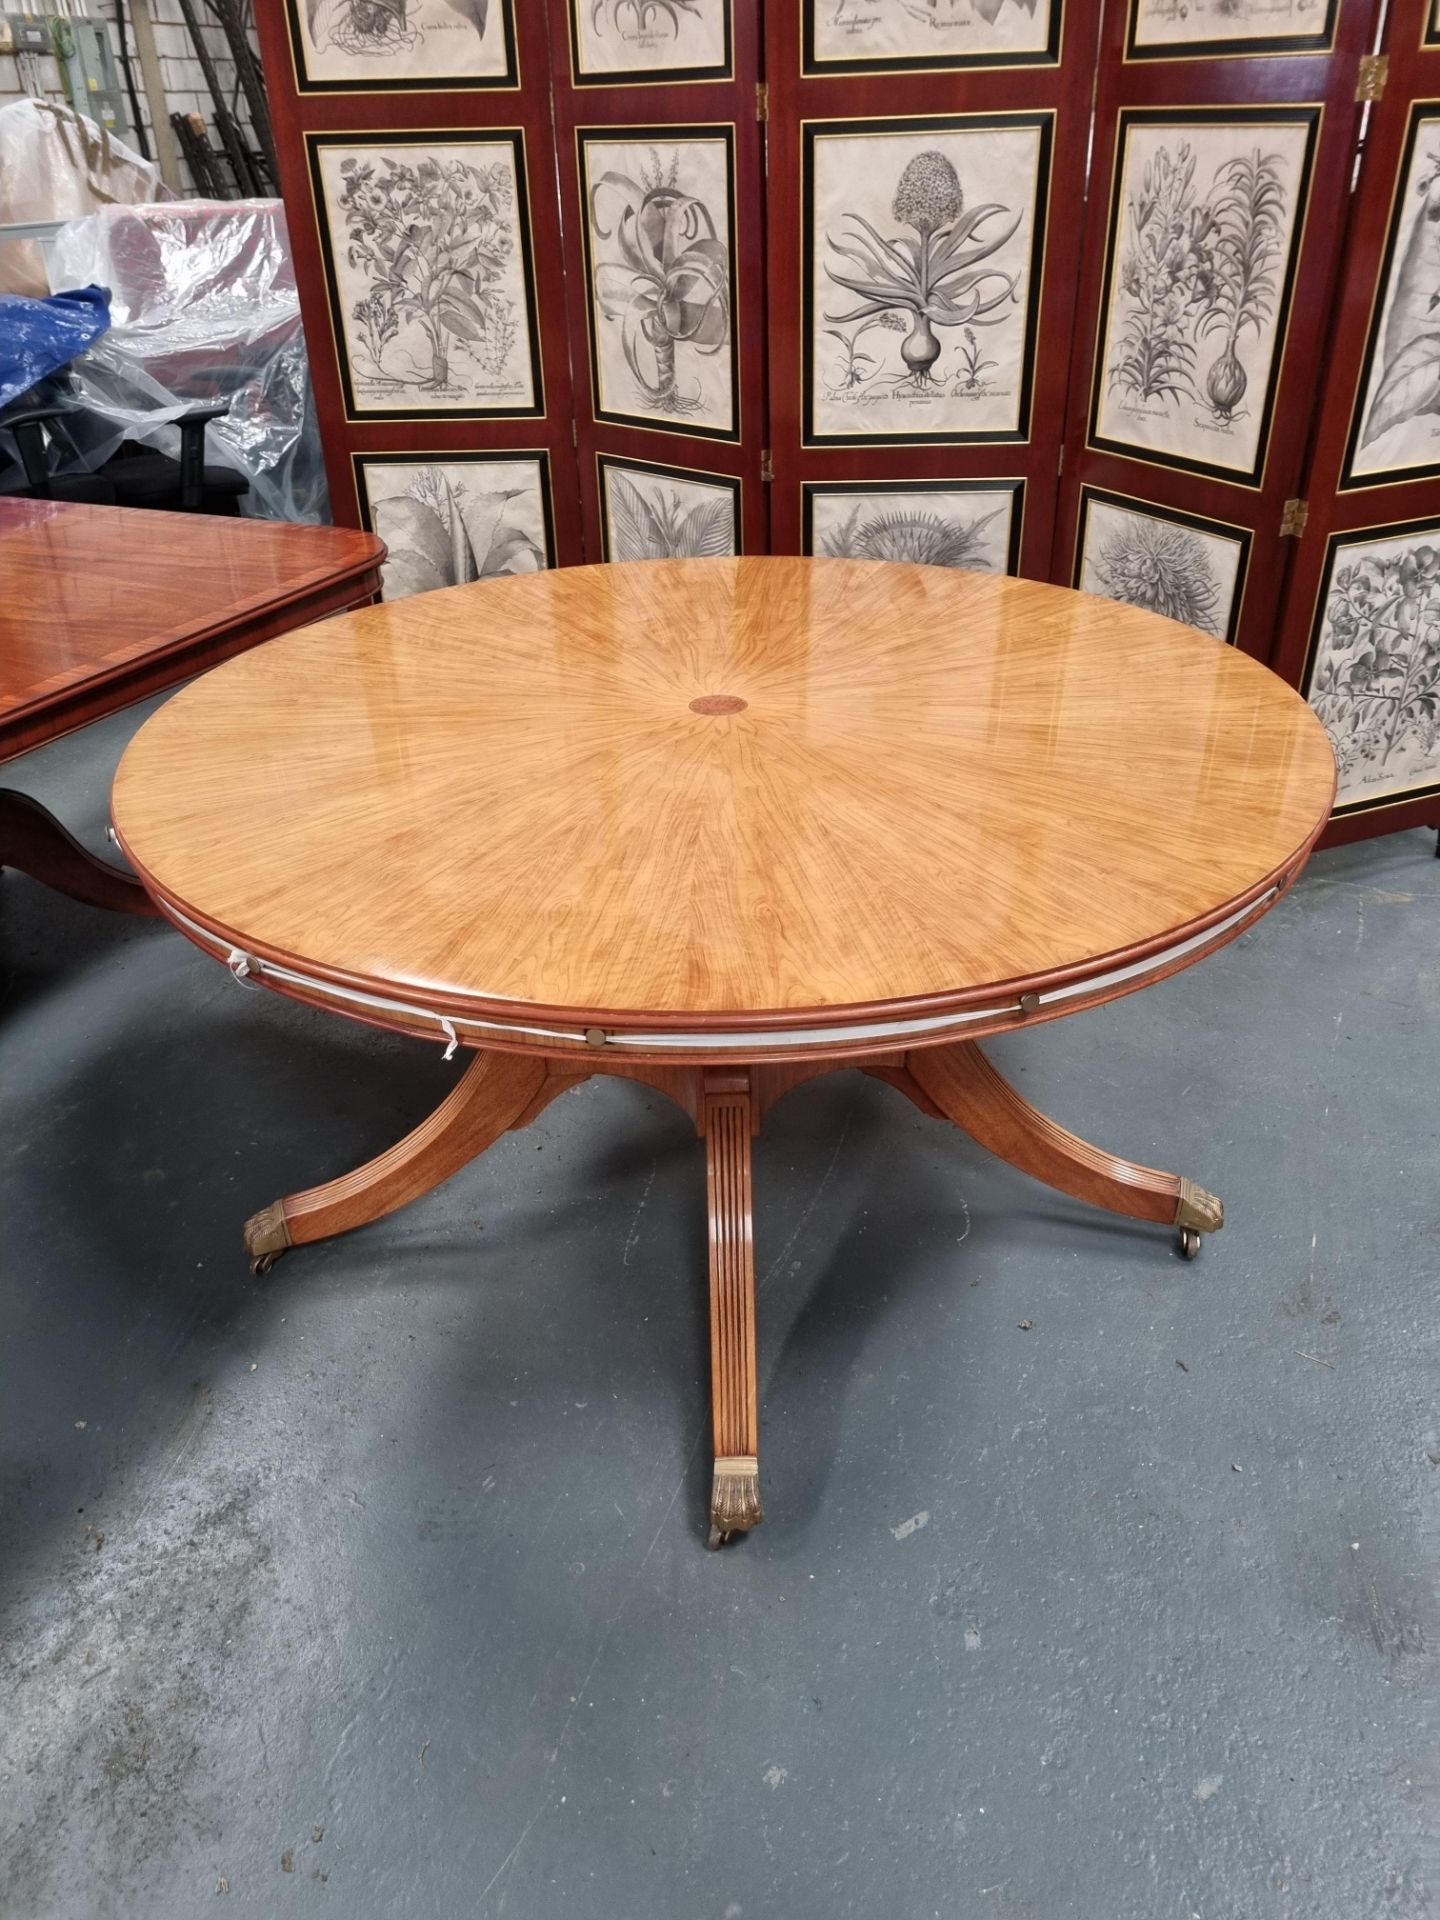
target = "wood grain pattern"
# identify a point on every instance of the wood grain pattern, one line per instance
(965, 1088)
(944, 785)
(729, 1120)
(103, 605)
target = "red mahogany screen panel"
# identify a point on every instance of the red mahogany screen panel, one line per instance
(660, 159)
(416, 158)
(925, 191)
(1224, 141)
(1360, 632)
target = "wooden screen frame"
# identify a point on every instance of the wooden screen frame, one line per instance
(401, 112)
(673, 104)
(1194, 82)
(907, 90)
(1342, 507)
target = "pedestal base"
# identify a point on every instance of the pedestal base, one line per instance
(500, 1092)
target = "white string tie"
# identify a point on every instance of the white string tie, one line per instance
(450, 1035)
(239, 965)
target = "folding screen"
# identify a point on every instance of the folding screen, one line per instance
(660, 160)
(416, 150)
(925, 188)
(1224, 140)
(1361, 630)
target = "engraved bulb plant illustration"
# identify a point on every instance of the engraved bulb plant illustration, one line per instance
(935, 278)
(670, 286)
(1246, 216)
(642, 13)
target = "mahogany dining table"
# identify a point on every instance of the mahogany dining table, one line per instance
(719, 826)
(102, 606)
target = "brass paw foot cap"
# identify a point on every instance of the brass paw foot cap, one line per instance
(267, 1235)
(1199, 1210)
(735, 1495)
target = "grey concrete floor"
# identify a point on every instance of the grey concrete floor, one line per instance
(377, 1587)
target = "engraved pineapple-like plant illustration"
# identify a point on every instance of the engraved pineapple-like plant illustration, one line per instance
(936, 278)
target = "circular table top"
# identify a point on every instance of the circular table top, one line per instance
(723, 792)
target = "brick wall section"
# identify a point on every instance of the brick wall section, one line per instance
(185, 89)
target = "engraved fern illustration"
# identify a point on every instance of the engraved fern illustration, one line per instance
(664, 528)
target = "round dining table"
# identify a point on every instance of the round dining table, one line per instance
(719, 826)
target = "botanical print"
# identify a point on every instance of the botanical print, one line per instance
(1399, 425)
(380, 43)
(1375, 673)
(921, 277)
(652, 39)
(1161, 564)
(657, 514)
(430, 276)
(1208, 222)
(660, 263)
(918, 33)
(452, 520)
(1246, 26)
(926, 526)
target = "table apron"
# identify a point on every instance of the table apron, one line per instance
(457, 1028)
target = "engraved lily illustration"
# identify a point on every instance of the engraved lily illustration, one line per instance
(937, 277)
(1247, 216)
(671, 285)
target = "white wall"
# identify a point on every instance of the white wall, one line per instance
(185, 89)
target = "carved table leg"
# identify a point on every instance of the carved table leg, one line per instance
(33, 841)
(962, 1084)
(727, 1118)
(497, 1091)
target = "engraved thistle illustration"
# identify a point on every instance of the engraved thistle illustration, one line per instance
(1376, 683)
(935, 279)
(920, 536)
(664, 276)
(1198, 267)
(432, 242)
(1162, 568)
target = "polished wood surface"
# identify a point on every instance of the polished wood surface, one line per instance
(504, 797)
(33, 841)
(100, 606)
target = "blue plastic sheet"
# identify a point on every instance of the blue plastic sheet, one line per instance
(38, 337)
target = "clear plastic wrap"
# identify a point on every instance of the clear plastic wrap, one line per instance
(203, 307)
(55, 164)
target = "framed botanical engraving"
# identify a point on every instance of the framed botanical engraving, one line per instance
(426, 241)
(370, 46)
(1395, 432)
(659, 228)
(448, 518)
(649, 42)
(1373, 671)
(1206, 213)
(937, 523)
(868, 36)
(654, 512)
(1431, 35)
(1205, 29)
(1177, 564)
(922, 245)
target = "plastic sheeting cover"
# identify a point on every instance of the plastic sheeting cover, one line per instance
(203, 307)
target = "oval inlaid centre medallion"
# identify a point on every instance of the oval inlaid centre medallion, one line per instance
(719, 703)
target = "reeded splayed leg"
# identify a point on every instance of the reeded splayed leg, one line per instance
(727, 1119)
(497, 1091)
(962, 1084)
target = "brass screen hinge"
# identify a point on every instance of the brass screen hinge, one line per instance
(762, 100)
(1293, 516)
(1374, 72)
(767, 464)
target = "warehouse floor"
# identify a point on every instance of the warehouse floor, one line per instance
(1092, 1583)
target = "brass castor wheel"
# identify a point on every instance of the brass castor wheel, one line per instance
(1189, 1243)
(263, 1262)
(266, 1237)
(718, 1538)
